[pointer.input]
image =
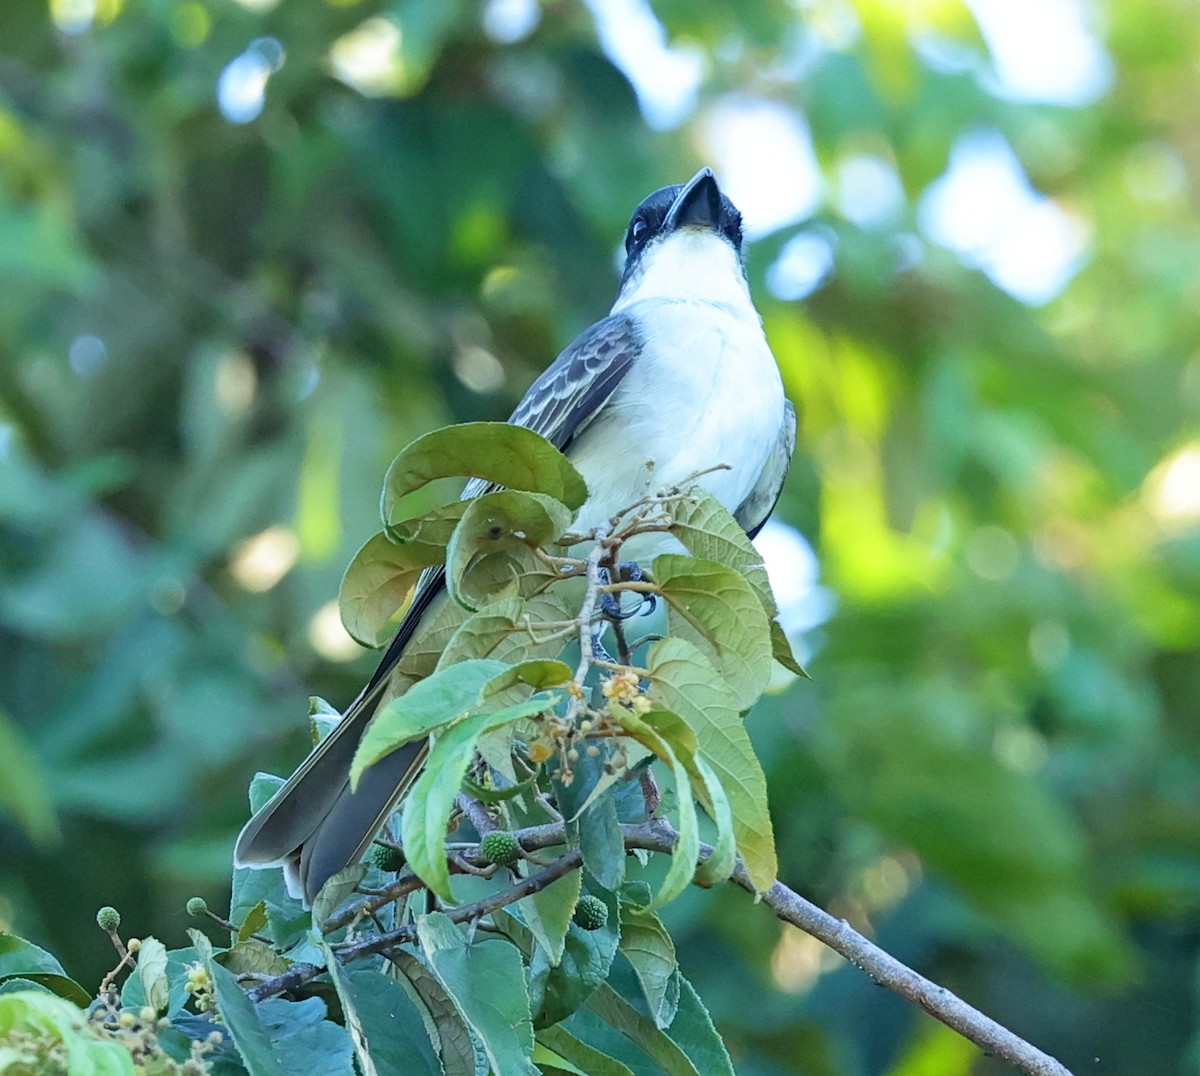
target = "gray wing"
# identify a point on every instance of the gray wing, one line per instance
(314, 823)
(754, 511)
(558, 405)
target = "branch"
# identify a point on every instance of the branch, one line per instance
(658, 835)
(299, 974)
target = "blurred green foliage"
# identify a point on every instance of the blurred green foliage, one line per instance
(213, 336)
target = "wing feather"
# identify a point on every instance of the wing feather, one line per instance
(559, 404)
(756, 509)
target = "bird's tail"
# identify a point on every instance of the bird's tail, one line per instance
(314, 825)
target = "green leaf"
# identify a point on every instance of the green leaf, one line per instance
(510, 630)
(714, 606)
(495, 524)
(487, 983)
(591, 817)
(432, 530)
(687, 848)
(428, 805)
(496, 452)
(427, 705)
(693, 1030)
(443, 1020)
(391, 1026)
(152, 973)
(709, 790)
(48, 1018)
(601, 842)
(615, 1011)
(555, 992)
(683, 680)
(584, 1057)
(239, 1015)
(537, 674)
(134, 997)
(19, 958)
(335, 891)
(23, 788)
(709, 532)
(706, 788)
(781, 651)
(377, 584)
(649, 949)
(548, 912)
(254, 957)
(302, 1037)
(254, 921)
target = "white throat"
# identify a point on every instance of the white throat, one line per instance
(692, 265)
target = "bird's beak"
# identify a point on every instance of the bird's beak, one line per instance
(698, 205)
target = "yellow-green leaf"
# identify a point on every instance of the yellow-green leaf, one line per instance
(496, 452)
(496, 523)
(717, 609)
(684, 681)
(377, 584)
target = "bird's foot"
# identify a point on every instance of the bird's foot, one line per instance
(628, 571)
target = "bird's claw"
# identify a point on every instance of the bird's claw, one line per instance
(610, 604)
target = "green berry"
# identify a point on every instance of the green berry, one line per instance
(591, 913)
(108, 919)
(500, 847)
(387, 859)
(196, 907)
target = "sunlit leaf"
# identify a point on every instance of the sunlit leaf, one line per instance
(496, 452)
(548, 911)
(683, 680)
(427, 705)
(429, 802)
(716, 608)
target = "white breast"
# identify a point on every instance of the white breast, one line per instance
(704, 391)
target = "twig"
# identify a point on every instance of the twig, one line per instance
(658, 835)
(587, 612)
(297, 975)
(476, 814)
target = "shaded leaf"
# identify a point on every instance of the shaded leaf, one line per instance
(557, 991)
(377, 584)
(623, 1017)
(19, 958)
(494, 524)
(649, 949)
(586, 1058)
(487, 983)
(440, 1014)
(693, 1030)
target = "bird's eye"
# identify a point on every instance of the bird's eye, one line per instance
(638, 229)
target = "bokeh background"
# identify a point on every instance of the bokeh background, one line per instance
(249, 249)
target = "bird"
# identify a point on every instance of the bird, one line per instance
(678, 378)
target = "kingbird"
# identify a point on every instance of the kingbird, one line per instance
(679, 377)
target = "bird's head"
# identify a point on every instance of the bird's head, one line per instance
(684, 242)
